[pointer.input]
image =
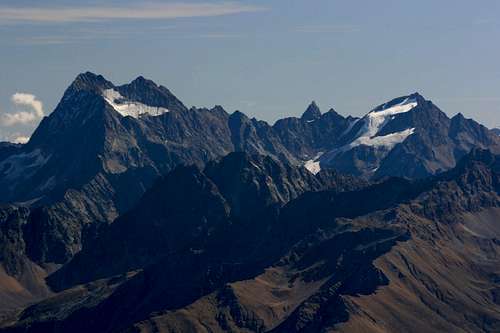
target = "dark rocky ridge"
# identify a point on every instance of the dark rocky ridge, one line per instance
(183, 209)
(86, 164)
(317, 255)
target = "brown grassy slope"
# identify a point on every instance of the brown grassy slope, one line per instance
(265, 301)
(443, 279)
(446, 279)
(16, 293)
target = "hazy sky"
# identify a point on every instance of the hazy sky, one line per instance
(268, 59)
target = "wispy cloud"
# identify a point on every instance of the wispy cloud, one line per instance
(148, 11)
(328, 28)
(22, 117)
(45, 40)
(79, 35)
(217, 35)
(91, 35)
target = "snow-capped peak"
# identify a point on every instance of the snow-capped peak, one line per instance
(375, 120)
(369, 127)
(130, 108)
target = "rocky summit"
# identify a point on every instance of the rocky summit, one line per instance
(128, 211)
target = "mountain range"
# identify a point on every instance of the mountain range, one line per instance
(129, 212)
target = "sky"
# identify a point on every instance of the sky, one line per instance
(269, 59)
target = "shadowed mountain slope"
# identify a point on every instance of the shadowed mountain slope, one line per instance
(321, 262)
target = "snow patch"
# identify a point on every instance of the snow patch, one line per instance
(130, 108)
(386, 141)
(313, 165)
(22, 165)
(255, 166)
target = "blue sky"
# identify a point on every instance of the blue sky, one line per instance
(268, 59)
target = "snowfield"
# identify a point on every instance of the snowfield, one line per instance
(386, 141)
(313, 165)
(377, 119)
(374, 122)
(130, 108)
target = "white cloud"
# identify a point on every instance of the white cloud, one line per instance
(24, 116)
(21, 117)
(21, 139)
(14, 137)
(29, 100)
(151, 11)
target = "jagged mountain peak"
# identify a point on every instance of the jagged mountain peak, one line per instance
(415, 99)
(238, 114)
(143, 84)
(89, 77)
(139, 97)
(459, 115)
(312, 112)
(459, 120)
(87, 81)
(149, 93)
(97, 82)
(141, 80)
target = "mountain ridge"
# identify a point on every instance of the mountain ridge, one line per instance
(332, 260)
(104, 146)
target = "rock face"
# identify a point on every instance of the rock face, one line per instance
(130, 179)
(21, 280)
(183, 208)
(352, 260)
